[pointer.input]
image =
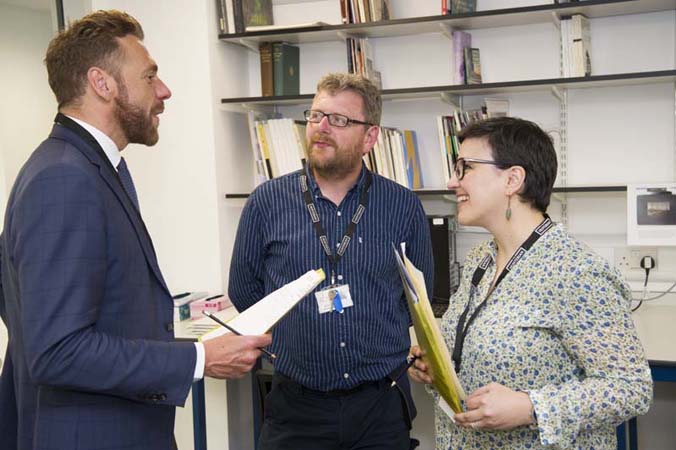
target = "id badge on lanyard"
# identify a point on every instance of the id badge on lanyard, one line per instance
(334, 298)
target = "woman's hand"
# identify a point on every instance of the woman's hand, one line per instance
(496, 407)
(418, 371)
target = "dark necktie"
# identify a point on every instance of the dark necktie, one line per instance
(127, 182)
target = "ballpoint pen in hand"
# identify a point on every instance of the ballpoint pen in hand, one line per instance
(228, 327)
(410, 360)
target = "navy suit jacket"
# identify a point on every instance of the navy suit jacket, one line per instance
(91, 361)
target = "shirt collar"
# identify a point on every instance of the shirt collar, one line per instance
(314, 187)
(106, 143)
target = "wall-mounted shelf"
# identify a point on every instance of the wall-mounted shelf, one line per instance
(595, 81)
(437, 192)
(481, 19)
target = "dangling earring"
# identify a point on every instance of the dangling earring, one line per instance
(508, 212)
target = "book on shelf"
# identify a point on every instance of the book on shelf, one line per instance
(238, 16)
(286, 68)
(448, 128)
(581, 46)
(363, 11)
(222, 16)
(461, 40)
(462, 6)
(458, 6)
(412, 156)
(267, 77)
(435, 352)
(264, 314)
(277, 144)
(496, 107)
(396, 156)
(472, 61)
(256, 13)
(575, 47)
(360, 60)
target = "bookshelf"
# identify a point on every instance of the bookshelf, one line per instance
(618, 125)
(623, 79)
(438, 192)
(499, 17)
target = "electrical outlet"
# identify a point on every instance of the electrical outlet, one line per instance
(629, 258)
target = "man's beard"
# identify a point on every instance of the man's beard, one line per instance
(136, 124)
(345, 159)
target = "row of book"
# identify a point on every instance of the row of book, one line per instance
(362, 11)
(238, 16)
(278, 146)
(458, 6)
(280, 69)
(396, 156)
(360, 60)
(575, 46)
(448, 128)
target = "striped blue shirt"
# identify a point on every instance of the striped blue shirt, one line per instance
(276, 243)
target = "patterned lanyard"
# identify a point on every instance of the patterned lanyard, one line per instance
(347, 237)
(461, 330)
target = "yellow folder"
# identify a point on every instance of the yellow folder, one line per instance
(436, 354)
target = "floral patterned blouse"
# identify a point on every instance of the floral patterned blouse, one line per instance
(559, 327)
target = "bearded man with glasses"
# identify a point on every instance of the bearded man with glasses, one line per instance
(340, 350)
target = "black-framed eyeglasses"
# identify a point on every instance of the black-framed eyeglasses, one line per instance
(461, 165)
(336, 120)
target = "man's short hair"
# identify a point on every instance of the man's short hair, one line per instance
(518, 142)
(88, 42)
(335, 83)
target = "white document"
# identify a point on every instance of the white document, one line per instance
(262, 316)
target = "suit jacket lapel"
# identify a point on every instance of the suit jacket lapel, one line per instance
(68, 130)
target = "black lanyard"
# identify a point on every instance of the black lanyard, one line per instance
(461, 330)
(314, 216)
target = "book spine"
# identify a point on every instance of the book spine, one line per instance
(285, 63)
(238, 16)
(267, 80)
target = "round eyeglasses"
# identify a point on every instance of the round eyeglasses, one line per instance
(336, 120)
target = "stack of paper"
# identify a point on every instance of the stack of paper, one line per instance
(263, 315)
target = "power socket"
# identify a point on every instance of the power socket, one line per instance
(629, 258)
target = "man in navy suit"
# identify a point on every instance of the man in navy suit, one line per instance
(91, 362)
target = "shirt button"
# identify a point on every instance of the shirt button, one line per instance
(170, 326)
(340, 277)
(346, 375)
(342, 344)
(339, 213)
(338, 245)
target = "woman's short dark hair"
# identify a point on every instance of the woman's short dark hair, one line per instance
(518, 142)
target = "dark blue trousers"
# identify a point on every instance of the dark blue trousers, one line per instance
(373, 416)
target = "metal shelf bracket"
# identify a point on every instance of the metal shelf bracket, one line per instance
(451, 99)
(446, 30)
(250, 44)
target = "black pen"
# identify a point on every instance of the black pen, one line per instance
(228, 327)
(409, 362)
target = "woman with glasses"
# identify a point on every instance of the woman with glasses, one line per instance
(540, 327)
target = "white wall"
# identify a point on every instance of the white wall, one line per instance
(178, 180)
(27, 105)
